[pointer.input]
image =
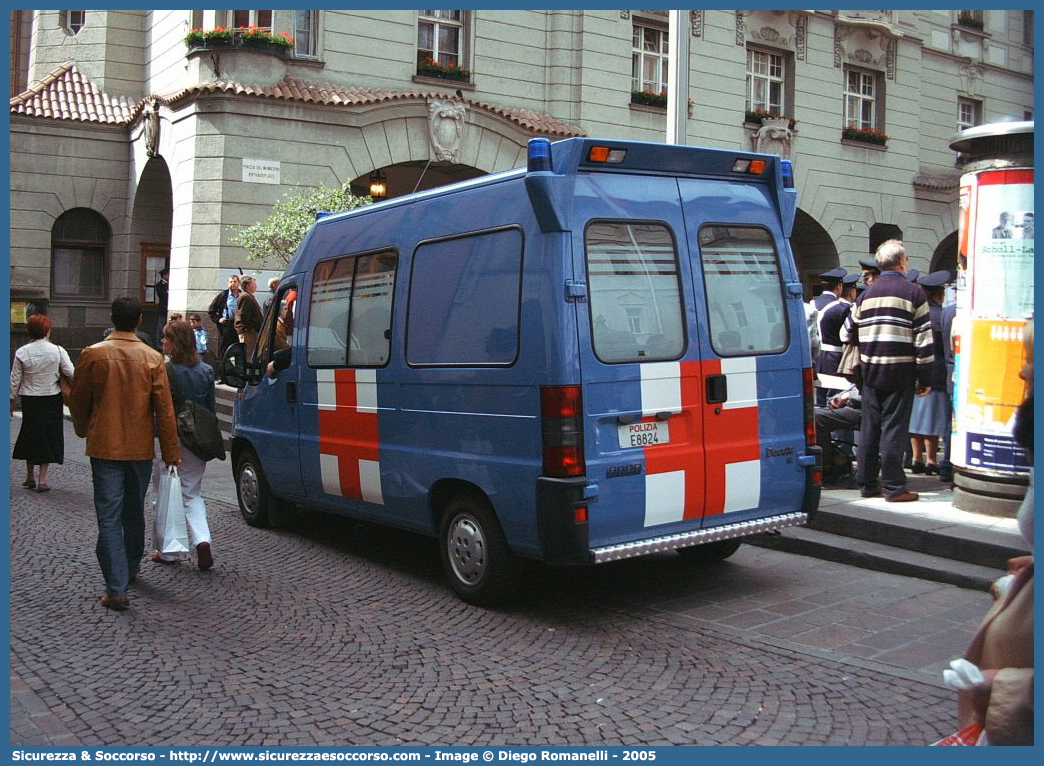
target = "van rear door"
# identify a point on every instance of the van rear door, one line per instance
(754, 413)
(642, 382)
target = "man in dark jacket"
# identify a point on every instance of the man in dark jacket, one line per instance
(222, 313)
(162, 293)
(890, 323)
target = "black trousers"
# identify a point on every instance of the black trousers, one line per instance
(885, 433)
(829, 422)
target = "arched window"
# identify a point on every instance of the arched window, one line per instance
(881, 233)
(79, 254)
(73, 21)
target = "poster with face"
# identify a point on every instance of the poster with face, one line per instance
(995, 244)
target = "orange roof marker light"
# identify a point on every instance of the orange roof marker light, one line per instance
(754, 167)
(605, 154)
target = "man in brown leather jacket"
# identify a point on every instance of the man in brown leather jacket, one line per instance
(120, 397)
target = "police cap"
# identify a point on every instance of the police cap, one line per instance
(850, 279)
(834, 275)
(868, 265)
(935, 279)
(912, 275)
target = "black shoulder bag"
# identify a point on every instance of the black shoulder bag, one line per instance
(198, 427)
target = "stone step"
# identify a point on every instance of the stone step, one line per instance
(936, 537)
(878, 557)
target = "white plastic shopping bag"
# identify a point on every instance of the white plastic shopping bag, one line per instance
(169, 531)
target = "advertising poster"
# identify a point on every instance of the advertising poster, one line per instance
(996, 252)
(1001, 262)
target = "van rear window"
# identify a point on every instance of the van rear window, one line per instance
(349, 321)
(635, 296)
(465, 301)
(744, 286)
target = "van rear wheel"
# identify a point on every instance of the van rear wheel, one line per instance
(709, 553)
(255, 498)
(480, 567)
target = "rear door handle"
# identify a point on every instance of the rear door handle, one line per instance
(717, 389)
(291, 393)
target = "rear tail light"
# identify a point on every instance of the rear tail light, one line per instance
(810, 420)
(562, 429)
(810, 414)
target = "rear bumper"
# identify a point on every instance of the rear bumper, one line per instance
(697, 537)
(564, 541)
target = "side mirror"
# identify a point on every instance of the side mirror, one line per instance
(234, 365)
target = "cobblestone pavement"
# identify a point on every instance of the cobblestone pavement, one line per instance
(338, 633)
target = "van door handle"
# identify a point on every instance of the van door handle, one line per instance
(717, 389)
(291, 393)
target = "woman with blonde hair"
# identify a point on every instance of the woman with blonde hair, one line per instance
(190, 379)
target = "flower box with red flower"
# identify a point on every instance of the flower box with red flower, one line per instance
(864, 135)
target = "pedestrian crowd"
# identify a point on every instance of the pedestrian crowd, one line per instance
(889, 340)
(127, 399)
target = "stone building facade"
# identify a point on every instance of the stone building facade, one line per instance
(130, 150)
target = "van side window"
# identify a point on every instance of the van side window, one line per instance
(465, 300)
(744, 286)
(635, 297)
(349, 322)
(277, 333)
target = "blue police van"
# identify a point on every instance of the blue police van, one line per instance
(599, 356)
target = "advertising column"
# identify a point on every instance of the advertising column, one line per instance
(994, 302)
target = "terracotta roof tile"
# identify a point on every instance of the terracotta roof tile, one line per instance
(65, 94)
(937, 181)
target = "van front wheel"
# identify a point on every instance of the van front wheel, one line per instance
(481, 568)
(255, 499)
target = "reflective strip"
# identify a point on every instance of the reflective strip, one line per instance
(742, 485)
(330, 472)
(664, 497)
(370, 481)
(742, 375)
(366, 391)
(830, 347)
(661, 388)
(327, 389)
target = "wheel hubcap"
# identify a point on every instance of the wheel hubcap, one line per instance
(467, 549)
(248, 489)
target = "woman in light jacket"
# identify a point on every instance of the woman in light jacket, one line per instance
(34, 376)
(193, 380)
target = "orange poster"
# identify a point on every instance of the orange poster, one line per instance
(995, 389)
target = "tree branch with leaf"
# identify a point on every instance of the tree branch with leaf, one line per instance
(278, 236)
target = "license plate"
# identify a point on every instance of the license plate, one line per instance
(644, 434)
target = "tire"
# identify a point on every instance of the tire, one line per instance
(710, 553)
(480, 567)
(255, 498)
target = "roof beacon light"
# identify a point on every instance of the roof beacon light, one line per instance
(788, 174)
(605, 154)
(538, 157)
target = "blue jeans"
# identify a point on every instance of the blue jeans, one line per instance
(119, 501)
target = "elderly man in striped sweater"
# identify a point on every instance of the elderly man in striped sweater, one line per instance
(891, 325)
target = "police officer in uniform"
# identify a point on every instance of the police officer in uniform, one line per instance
(831, 320)
(831, 290)
(870, 271)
